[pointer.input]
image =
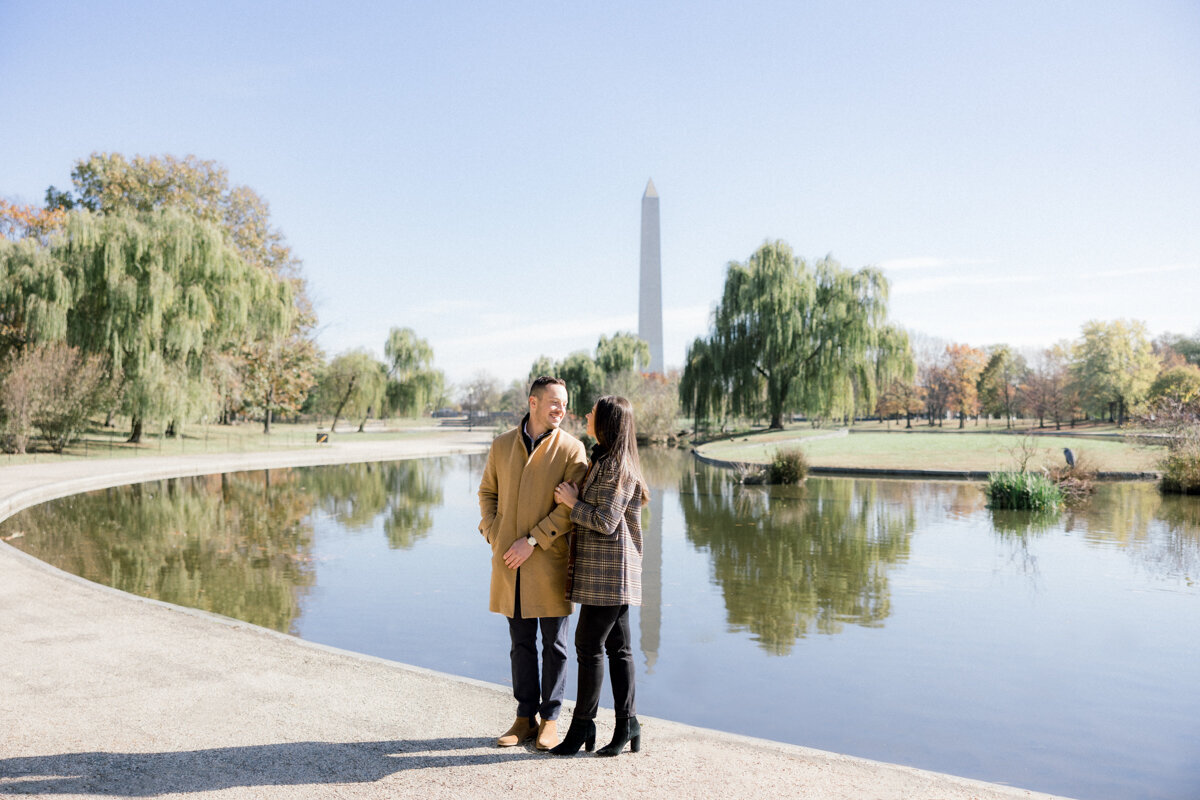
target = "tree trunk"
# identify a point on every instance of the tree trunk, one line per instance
(267, 421)
(341, 405)
(135, 433)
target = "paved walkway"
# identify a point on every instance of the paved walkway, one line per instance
(106, 694)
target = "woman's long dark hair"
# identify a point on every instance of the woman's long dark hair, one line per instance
(617, 434)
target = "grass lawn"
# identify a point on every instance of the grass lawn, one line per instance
(99, 442)
(919, 449)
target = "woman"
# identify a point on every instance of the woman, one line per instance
(606, 576)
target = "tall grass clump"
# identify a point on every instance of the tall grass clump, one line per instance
(788, 466)
(1030, 491)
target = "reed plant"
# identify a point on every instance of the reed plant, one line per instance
(1030, 491)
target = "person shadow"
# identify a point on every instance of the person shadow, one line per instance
(295, 763)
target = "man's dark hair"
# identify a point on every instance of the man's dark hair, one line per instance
(544, 381)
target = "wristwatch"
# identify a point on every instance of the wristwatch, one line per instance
(531, 540)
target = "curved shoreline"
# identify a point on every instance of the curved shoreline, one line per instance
(112, 694)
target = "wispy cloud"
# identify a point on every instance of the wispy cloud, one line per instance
(929, 262)
(1124, 273)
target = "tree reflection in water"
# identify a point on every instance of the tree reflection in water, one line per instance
(235, 544)
(796, 560)
(405, 491)
(1161, 532)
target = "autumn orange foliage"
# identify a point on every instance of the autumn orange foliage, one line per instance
(20, 222)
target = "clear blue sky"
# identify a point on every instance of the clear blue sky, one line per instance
(474, 170)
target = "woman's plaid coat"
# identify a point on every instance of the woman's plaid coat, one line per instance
(608, 538)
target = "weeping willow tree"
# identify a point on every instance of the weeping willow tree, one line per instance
(161, 293)
(701, 386)
(413, 384)
(788, 336)
(35, 295)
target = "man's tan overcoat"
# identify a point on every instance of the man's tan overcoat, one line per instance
(516, 499)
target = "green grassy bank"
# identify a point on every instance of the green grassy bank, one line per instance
(937, 449)
(100, 442)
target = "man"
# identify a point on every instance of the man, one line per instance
(528, 534)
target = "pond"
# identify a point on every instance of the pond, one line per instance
(900, 621)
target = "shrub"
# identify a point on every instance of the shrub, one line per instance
(53, 388)
(1181, 467)
(1178, 424)
(788, 466)
(1022, 491)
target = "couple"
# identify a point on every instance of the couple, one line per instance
(561, 530)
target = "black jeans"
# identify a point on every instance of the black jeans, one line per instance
(604, 629)
(543, 696)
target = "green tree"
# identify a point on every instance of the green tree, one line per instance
(1181, 384)
(413, 383)
(702, 385)
(1000, 382)
(621, 353)
(36, 294)
(108, 183)
(791, 336)
(544, 365)
(584, 381)
(1114, 366)
(159, 293)
(354, 383)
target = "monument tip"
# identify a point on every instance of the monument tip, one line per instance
(650, 190)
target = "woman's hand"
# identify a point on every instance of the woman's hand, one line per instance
(566, 493)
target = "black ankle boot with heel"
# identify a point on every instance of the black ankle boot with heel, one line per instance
(627, 730)
(582, 733)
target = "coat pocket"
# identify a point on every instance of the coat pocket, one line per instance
(494, 529)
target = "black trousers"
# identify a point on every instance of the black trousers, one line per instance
(541, 696)
(601, 630)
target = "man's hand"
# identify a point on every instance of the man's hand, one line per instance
(519, 553)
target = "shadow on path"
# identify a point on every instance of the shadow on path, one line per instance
(146, 774)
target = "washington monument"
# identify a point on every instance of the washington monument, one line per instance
(650, 297)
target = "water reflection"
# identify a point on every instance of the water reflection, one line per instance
(1160, 532)
(661, 468)
(404, 492)
(236, 545)
(796, 560)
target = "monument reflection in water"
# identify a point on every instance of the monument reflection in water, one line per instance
(896, 620)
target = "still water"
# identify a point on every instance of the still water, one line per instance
(896, 620)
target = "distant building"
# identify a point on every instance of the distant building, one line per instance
(650, 326)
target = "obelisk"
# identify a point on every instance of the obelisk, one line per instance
(650, 294)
